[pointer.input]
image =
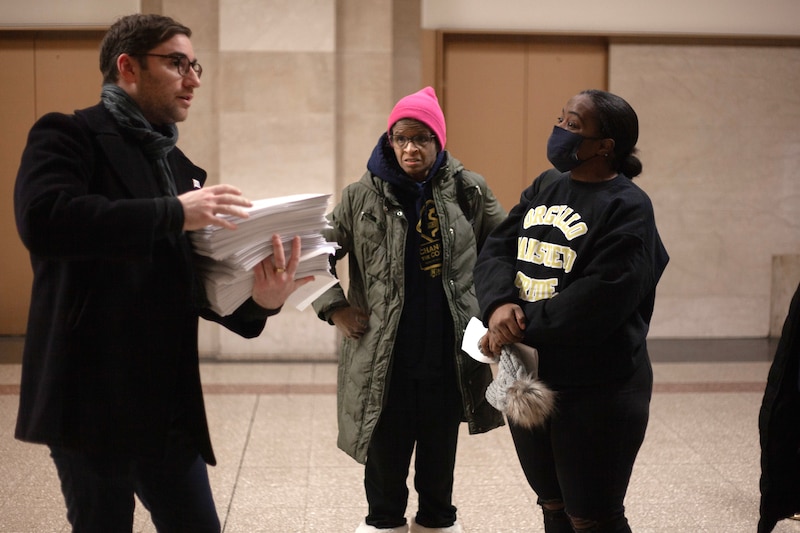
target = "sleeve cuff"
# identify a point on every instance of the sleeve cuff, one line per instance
(250, 310)
(169, 216)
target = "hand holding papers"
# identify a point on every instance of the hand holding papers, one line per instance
(275, 278)
(225, 258)
(204, 206)
(469, 343)
(476, 330)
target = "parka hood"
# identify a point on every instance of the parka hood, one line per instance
(383, 163)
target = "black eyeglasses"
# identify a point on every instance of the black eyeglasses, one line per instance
(420, 141)
(180, 62)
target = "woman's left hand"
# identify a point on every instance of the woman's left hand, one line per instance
(274, 277)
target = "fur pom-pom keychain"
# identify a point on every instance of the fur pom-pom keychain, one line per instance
(516, 390)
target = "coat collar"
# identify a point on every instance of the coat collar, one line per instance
(128, 162)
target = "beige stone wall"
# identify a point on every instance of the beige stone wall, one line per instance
(660, 17)
(721, 150)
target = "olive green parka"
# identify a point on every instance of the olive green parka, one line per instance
(370, 227)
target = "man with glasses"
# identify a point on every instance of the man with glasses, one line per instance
(110, 373)
(404, 383)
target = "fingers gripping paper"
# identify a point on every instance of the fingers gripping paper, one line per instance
(225, 258)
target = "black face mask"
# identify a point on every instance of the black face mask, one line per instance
(562, 149)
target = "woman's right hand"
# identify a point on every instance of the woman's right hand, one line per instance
(352, 322)
(506, 326)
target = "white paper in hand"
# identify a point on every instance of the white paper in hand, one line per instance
(474, 332)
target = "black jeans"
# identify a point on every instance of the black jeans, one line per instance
(99, 492)
(584, 455)
(427, 413)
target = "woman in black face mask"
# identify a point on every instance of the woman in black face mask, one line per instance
(572, 272)
(581, 141)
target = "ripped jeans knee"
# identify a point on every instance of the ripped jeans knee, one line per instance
(555, 518)
(613, 524)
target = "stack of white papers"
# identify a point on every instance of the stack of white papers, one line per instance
(225, 258)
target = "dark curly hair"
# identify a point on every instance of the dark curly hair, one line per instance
(135, 34)
(618, 121)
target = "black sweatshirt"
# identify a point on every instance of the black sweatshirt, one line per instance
(583, 261)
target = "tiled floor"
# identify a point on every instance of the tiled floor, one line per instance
(274, 429)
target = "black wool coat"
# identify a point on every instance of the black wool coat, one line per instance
(779, 427)
(110, 361)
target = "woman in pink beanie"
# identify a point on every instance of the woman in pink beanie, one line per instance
(411, 228)
(422, 106)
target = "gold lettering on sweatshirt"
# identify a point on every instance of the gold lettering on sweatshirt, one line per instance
(533, 290)
(546, 254)
(562, 217)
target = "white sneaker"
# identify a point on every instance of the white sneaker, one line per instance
(416, 528)
(364, 528)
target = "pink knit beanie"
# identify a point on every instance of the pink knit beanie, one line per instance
(423, 106)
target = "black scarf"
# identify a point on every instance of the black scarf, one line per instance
(155, 145)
